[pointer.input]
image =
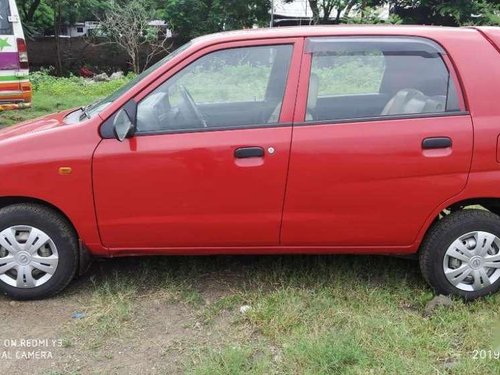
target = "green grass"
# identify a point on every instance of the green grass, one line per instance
(230, 361)
(309, 315)
(332, 315)
(52, 94)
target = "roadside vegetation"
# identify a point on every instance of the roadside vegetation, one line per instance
(53, 94)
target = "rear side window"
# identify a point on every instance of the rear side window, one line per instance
(344, 74)
(376, 77)
(5, 25)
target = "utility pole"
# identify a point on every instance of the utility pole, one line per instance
(272, 13)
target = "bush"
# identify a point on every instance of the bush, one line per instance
(44, 82)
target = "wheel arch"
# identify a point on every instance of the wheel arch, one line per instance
(84, 256)
(491, 204)
(11, 200)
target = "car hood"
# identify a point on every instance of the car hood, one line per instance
(34, 126)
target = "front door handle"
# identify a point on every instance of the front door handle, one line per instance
(249, 152)
(436, 142)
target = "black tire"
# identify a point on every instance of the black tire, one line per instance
(441, 236)
(60, 232)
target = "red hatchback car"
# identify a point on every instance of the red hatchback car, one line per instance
(361, 140)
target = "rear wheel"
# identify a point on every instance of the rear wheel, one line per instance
(461, 254)
(38, 252)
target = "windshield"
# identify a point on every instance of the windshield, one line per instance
(99, 106)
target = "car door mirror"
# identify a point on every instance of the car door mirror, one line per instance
(124, 121)
(122, 125)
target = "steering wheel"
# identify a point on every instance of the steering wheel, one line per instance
(192, 105)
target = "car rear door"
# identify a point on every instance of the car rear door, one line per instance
(381, 139)
(212, 181)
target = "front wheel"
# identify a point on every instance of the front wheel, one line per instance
(461, 254)
(38, 252)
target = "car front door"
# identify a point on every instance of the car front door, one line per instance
(207, 166)
(381, 140)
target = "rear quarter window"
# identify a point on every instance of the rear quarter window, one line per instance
(5, 25)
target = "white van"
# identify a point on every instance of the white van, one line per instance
(15, 88)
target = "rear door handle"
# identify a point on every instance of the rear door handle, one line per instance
(436, 142)
(249, 152)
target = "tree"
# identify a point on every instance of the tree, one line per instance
(447, 13)
(128, 27)
(57, 17)
(36, 15)
(435, 12)
(28, 8)
(191, 18)
(322, 9)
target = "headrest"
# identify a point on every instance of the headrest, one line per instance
(313, 91)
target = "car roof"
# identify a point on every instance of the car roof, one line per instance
(328, 30)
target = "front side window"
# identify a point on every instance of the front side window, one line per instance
(5, 25)
(375, 77)
(228, 88)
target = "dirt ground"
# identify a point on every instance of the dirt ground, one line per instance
(154, 341)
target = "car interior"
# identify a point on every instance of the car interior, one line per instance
(410, 84)
(158, 112)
